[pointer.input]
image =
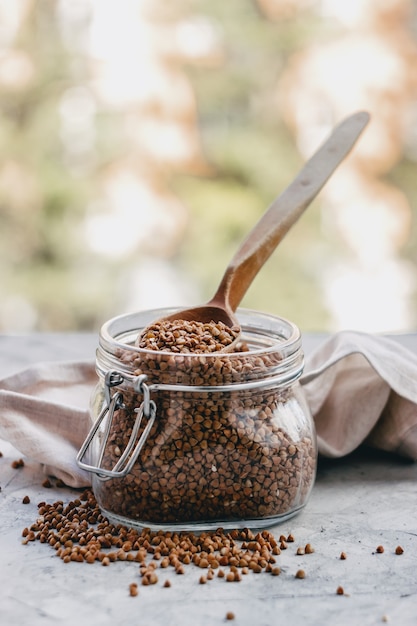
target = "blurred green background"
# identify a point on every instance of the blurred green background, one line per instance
(140, 142)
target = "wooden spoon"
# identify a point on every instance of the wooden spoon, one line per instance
(273, 226)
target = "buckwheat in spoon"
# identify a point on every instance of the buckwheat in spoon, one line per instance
(214, 327)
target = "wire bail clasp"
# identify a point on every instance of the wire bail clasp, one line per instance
(113, 403)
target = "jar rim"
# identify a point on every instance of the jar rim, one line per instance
(118, 331)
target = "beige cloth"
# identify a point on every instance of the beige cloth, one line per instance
(361, 388)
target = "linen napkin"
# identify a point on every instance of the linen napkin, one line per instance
(361, 388)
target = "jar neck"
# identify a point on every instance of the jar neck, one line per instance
(273, 353)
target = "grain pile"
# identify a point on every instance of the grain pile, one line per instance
(79, 532)
(187, 336)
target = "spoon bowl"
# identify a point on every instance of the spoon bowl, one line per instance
(206, 313)
(272, 227)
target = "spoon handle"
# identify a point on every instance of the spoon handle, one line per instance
(285, 211)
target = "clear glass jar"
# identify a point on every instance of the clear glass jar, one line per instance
(200, 441)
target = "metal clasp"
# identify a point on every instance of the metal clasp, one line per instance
(146, 410)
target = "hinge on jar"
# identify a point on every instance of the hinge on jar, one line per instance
(114, 402)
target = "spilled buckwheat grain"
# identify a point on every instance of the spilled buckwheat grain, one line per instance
(78, 532)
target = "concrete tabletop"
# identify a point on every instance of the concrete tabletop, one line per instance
(358, 503)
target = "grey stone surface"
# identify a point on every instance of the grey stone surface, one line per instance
(358, 503)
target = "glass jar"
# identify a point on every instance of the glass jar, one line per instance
(200, 441)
